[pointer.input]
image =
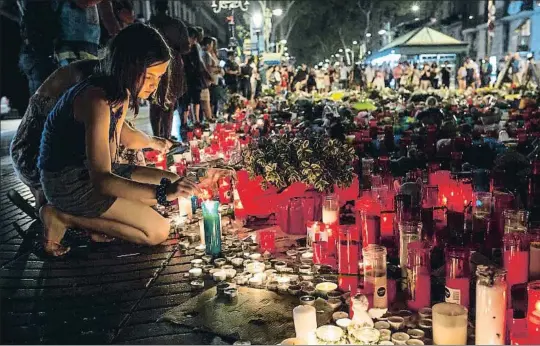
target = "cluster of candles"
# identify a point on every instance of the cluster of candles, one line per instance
(483, 222)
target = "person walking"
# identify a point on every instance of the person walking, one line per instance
(445, 75)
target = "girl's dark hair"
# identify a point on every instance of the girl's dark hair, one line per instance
(129, 54)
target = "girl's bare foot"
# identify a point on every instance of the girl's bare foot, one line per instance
(100, 237)
(54, 230)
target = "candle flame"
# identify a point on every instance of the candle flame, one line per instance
(444, 200)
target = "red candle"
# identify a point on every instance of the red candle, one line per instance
(320, 252)
(457, 276)
(332, 235)
(533, 311)
(348, 249)
(418, 275)
(516, 261)
(267, 240)
(224, 189)
(348, 283)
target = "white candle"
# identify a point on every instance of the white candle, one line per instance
(490, 314)
(449, 324)
(201, 233)
(534, 261)
(184, 207)
(293, 341)
(219, 275)
(305, 321)
(195, 272)
(325, 287)
(173, 169)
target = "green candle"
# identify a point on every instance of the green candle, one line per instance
(212, 227)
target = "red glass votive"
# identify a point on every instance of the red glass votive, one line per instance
(348, 249)
(190, 135)
(267, 240)
(348, 283)
(515, 260)
(197, 132)
(332, 238)
(501, 202)
(320, 252)
(224, 190)
(369, 223)
(533, 311)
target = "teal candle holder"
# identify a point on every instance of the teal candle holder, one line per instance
(212, 227)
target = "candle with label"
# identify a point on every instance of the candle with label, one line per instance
(457, 276)
(375, 274)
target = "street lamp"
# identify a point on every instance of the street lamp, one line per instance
(327, 60)
(332, 55)
(382, 32)
(416, 19)
(277, 12)
(341, 50)
(415, 8)
(355, 42)
(283, 41)
(257, 19)
(471, 17)
(368, 34)
(285, 48)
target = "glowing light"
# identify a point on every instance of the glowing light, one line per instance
(277, 12)
(257, 19)
(382, 32)
(415, 8)
(354, 42)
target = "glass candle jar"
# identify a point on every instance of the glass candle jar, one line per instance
(330, 210)
(305, 321)
(457, 276)
(330, 335)
(449, 324)
(533, 310)
(534, 257)
(501, 202)
(348, 249)
(367, 172)
(374, 260)
(429, 202)
(409, 231)
(515, 221)
(267, 240)
(212, 227)
(368, 221)
(491, 290)
(481, 218)
(418, 275)
(515, 260)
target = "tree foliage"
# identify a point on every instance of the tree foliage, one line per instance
(323, 27)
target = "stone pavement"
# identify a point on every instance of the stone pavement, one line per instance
(100, 294)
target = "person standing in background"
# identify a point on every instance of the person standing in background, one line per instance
(246, 70)
(174, 31)
(397, 73)
(485, 72)
(210, 60)
(79, 31)
(343, 75)
(232, 70)
(114, 15)
(445, 75)
(435, 75)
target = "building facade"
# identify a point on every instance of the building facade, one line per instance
(191, 12)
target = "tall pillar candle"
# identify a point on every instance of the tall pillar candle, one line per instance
(449, 324)
(534, 257)
(305, 322)
(515, 260)
(212, 227)
(490, 306)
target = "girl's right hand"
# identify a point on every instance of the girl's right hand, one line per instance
(183, 187)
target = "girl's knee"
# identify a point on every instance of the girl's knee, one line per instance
(159, 232)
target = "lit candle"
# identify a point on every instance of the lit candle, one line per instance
(490, 306)
(533, 310)
(184, 207)
(201, 232)
(324, 287)
(305, 321)
(224, 189)
(330, 335)
(330, 213)
(449, 324)
(212, 227)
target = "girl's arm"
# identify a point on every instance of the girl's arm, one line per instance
(92, 109)
(135, 139)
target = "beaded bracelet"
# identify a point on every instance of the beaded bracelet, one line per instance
(161, 192)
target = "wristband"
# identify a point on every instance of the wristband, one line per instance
(161, 192)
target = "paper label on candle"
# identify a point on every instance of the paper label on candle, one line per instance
(452, 295)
